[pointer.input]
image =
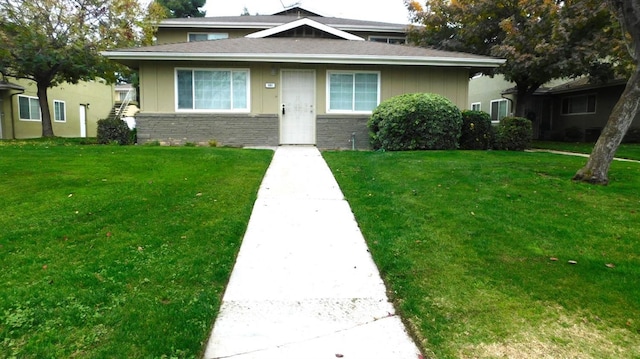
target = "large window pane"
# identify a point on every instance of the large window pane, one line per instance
(240, 91)
(499, 109)
(207, 36)
(185, 89)
(59, 111)
(579, 104)
(24, 107)
(34, 108)
(341, 92)
(213, 89)
(29, 108)
(356, 92)
(366, 92)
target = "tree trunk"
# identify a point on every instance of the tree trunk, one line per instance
(524, 97)
(521, 103)
(43, 99)
(597, 168)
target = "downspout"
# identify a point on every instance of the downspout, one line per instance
(512, 104)
(13, 119)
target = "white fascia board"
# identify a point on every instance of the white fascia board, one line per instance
(310, 58)
(301, 22)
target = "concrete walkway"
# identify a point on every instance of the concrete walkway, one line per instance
(585, 155)
(304, 284)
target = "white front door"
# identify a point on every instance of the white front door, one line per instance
(83, 121)
(297, 112)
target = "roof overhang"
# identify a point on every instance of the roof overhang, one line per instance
(133, 58)
(585, 85)
(10, 86)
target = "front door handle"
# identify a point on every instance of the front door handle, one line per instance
(283, 111)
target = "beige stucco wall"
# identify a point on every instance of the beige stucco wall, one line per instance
(97, 94)
(158, 84)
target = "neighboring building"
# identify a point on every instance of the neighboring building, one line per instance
(571, 110)
(290, 78)
(75, 109)
(124, 93)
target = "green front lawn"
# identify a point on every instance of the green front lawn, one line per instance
(499, 254)
(118, 252)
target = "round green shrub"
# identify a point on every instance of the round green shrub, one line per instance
(113, 130)
(476, 130)
(514, 134)
(420, 121)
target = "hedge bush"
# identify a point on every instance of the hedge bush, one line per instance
(476, 130)
(112, 130)
(420, 121)
(513, 134)
(573, 134)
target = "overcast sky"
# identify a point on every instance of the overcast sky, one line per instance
(392, 11)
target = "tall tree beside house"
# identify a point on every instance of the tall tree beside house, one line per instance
(56, 41)
(597, 167)
(541, 40)
(183, 8)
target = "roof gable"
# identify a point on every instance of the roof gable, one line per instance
(274, 31)
(297, 11)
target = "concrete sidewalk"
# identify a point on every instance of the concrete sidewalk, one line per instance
(304, 284)
(585, 155)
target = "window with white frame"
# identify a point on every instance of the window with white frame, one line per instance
(59, 111)
(388, 40)
(353, 91)
(204, 36)
(29, 108)
(582, 104)
(212, 89)
(476, 106)
(499, 109)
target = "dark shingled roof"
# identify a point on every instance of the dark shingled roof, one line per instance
(301, 50)
(269, 21)
(298, 46)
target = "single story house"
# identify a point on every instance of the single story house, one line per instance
(290, 78)
(562, 109)
(75, 108)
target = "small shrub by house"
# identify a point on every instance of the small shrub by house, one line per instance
(513, 134)
(112, 130)
(476, 130)
(420, 121)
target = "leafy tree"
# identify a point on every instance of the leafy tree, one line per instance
(56, 41)
(541, 40)
(183, 8)
(597, 167)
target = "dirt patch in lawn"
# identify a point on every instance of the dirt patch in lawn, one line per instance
(564, 337)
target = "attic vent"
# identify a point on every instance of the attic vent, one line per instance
(306, 31)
